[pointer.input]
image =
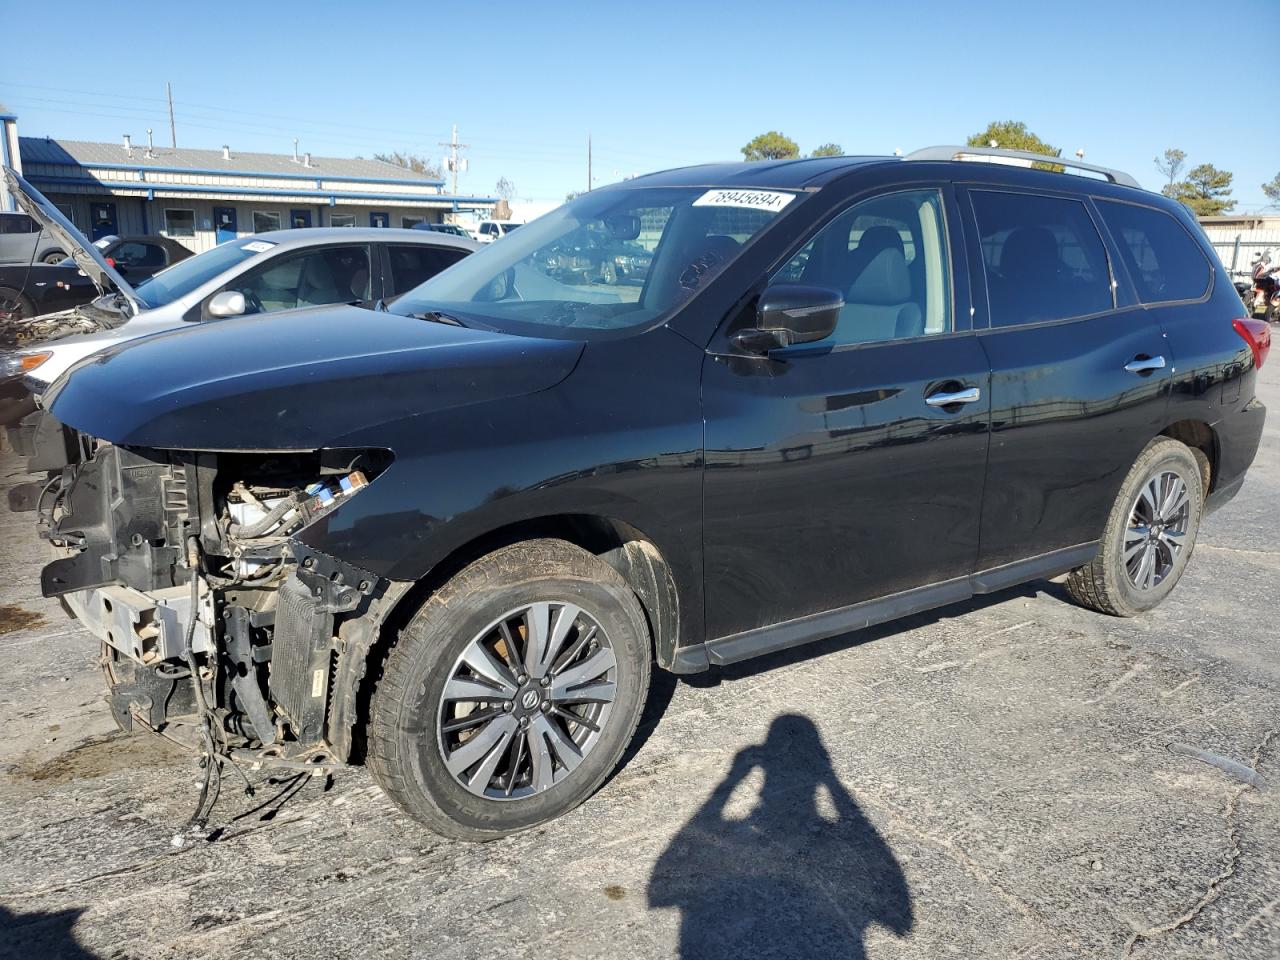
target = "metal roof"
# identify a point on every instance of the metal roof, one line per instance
(84, 153)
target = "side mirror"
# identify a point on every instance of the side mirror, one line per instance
(226, 303)
(790, 313)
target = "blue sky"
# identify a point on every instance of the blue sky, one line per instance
(654, 83)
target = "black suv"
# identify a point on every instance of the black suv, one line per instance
(451, 538)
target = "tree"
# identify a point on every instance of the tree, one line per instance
(771, 146)
(1014, 135)
(1206, 191)
(505, 189)
(1272, 189)
(828, 150)
(572, 195)
(411, 161)
(1170, 163)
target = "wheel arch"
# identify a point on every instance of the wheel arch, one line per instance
(367, 639)
(1203, 440)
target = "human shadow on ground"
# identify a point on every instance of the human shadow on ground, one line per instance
(801, 876)
(25, 936)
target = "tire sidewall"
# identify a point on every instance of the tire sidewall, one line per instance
(446, 631)
(1169, 456)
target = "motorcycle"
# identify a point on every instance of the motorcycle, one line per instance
(1261, 295)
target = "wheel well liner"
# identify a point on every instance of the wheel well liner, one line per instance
(1198, 435)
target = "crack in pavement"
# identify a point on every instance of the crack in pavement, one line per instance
(1227, 872)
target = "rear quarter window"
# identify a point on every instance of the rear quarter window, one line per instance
(1163, 260)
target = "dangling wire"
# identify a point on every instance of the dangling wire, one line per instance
(212, 784)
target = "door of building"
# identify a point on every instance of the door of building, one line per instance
(103, 219)
(224, 222)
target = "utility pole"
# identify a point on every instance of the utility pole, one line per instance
(588, 163)
(452, 161)
(173, 131)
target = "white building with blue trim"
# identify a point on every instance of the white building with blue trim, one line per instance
(203, 197)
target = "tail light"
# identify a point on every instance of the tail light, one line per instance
(111, 261)
(1257, 334)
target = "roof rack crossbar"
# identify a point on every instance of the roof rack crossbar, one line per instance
(958, 153)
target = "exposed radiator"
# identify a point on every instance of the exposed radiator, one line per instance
(299, 676)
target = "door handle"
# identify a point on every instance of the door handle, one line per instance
(1144, 364)
(971, 395)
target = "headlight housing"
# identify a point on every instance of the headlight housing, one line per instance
(20, 364)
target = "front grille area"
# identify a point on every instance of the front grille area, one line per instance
(299, 679)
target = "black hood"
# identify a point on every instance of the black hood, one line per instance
(296, 381)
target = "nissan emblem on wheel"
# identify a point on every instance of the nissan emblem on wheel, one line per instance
(452, 537)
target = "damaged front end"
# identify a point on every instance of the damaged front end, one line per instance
(216, 621)
(28, 333)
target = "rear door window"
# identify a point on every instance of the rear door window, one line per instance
(17, 223)
(1163, 260)
(1043, 256)
(134, 253)
(412, 265)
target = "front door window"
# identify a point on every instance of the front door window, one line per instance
(309, 278)
(887, 258)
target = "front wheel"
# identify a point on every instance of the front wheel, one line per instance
(15, 305)
(513, 692)
(1149, 535)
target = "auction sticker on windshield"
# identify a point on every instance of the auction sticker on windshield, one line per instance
(258, 246)
(773, 200)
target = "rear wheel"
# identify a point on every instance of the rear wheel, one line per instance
(15, 305)
(53, 257)
(513, 693)
(1149, 535)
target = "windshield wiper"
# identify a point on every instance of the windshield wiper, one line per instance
(435, 316)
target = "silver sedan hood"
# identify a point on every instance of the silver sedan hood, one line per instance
(86, 256)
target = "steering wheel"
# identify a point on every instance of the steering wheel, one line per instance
(252, 302)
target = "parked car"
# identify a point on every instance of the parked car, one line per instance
(491, 230)
(450, 228)
(30, 291)
(454, 538)
(139, 257)
(21, 241)
(265, 273)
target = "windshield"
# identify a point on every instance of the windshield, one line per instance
(183, 277)
(507, 227)
(609, 260)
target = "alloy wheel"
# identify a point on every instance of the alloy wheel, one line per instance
(527, 701)
(1157, 528)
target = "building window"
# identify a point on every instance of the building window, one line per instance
(180, 223)
(410, 222)
(342, 219)
(264, 220)
(379, 219)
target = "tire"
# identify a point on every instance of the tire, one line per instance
(410, 751)
(1110, 584)
(11, 299)
(53, 257)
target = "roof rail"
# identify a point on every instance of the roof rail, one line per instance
(961, 153)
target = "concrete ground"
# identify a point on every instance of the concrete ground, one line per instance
(1014, 777)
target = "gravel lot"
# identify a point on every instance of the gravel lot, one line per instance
(1012, 777)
